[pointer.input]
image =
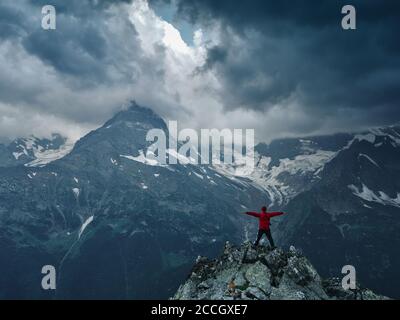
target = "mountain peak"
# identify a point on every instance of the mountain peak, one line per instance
(124, 134)
(248, 273)
(138, 115)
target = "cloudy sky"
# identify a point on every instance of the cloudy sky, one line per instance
(284, 68)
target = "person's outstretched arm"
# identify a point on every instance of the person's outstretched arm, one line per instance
(275, 214)
(253, 214)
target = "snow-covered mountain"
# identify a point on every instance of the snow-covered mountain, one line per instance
(100, 210)
(112, 224)
(34, 152)
(342, 195)
(351, 215)
(287, 167)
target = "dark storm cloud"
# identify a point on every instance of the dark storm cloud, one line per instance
(12, 22)
(87, 49)
(215, 55)
(296, 51)
(80, 45)
(289, 61)
(73, 49)
(76, 76)
(83, 8)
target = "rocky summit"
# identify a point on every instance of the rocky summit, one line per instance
(259, 273)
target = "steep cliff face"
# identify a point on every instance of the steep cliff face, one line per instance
(248, 273)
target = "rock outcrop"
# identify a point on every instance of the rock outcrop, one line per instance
(249, 273)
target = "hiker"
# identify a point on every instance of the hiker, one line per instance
(264, 224)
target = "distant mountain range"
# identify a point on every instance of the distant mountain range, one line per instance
(117, 226)
(34, 152)
(350, 215)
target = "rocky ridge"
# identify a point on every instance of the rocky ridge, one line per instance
(259, 273)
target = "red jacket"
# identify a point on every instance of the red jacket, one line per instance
(264, 218)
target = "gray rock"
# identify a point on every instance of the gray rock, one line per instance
(204, 285)
(250, 255)
(276, 260)
(301, 271)
(255, 293)
(240, 281)
(275, 275)
(258, 275)
(333, 288)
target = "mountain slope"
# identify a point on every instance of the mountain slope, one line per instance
(288, 167)
(351, 216)
(113, 225)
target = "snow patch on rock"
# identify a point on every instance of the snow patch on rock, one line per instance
(378, 197)
(85, 225)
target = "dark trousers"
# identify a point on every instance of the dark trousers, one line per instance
(268, 234)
